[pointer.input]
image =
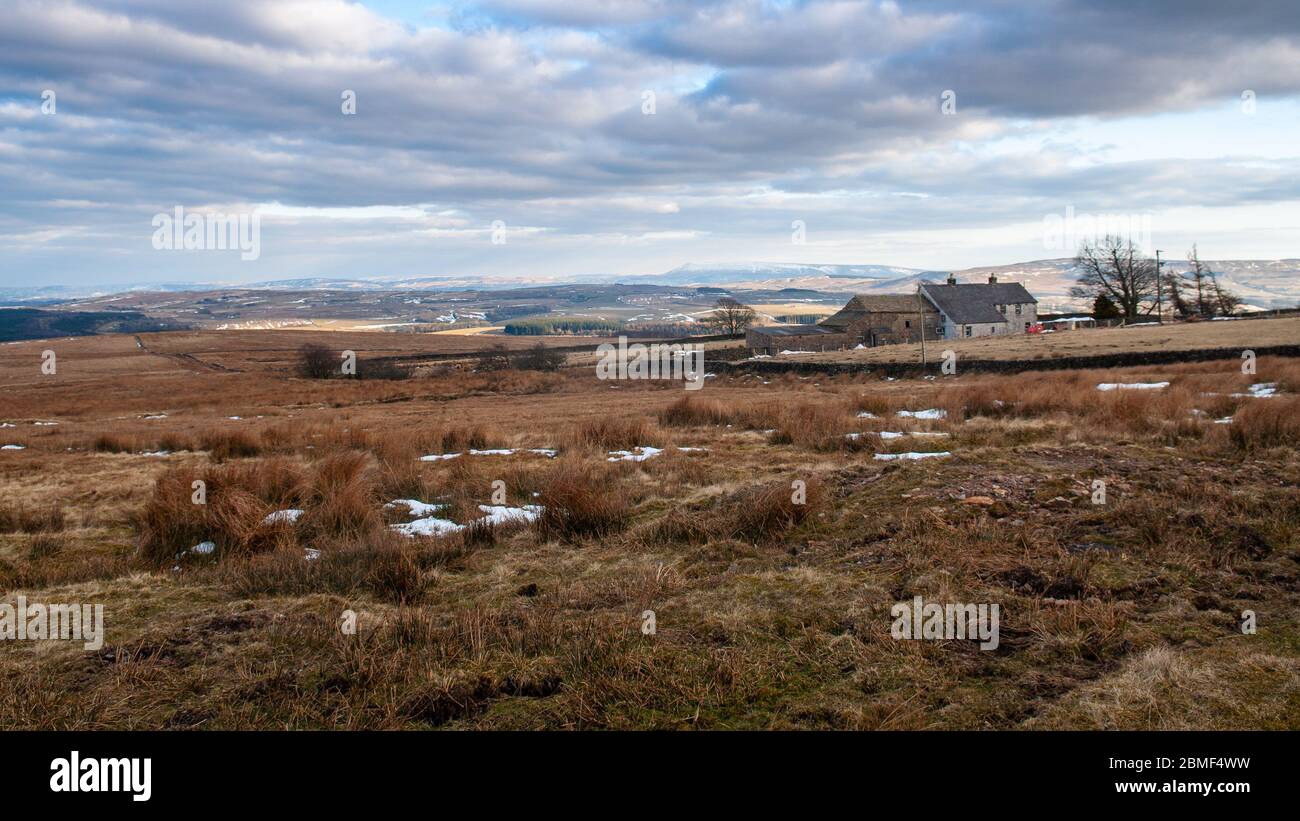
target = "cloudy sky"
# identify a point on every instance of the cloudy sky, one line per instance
(632, 136)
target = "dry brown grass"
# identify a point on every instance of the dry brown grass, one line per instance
(17, 518)
(606, 433)
(1267, 423)
(691, 412)
(771, 614)
(582, 499)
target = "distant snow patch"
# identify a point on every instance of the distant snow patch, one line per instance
(435, 457)
(1132, 386)
(639, 454)
(889, 457)
(932, 413)
(1263, 390)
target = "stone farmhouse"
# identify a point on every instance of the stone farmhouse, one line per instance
(943, 311)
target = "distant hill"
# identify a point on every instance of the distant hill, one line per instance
(1261, 284)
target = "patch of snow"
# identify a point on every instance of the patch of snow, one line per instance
(204, 548)
(1263, 390)
(792, 353)
(157, 453)
(889, 457)
(312, 554)
(1227, 420)
(932, 413)
(866, 415)
(428, 527)
(549, 453)
(416, 507)
(639, 454)
(45, 424)
(1132, 386)
(13, 447)
(501, 514)
(496, 452)
(692, 450)
(290, 515)
(438, 456)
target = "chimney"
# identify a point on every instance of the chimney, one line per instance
(952, 279)
(993, 279)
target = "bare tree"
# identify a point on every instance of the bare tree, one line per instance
(732, 316)
(1177, 290)
(1222, 302)
(1198, 279)
(1114, 267)
(315, 361)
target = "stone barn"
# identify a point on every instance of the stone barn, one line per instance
(884, 319)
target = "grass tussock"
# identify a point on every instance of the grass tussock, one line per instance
(768, 512)
(230, 444)
(17, 518)
(231, 504)
(816, 427)
(1267, 423)
(582, 500)
(689, 411)
(608, 433)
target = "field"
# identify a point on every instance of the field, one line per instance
(767, 611)
(1243, 334)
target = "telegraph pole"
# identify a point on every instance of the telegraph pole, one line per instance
(1160, 291)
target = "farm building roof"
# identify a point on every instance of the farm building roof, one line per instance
(860, 306)
(975, 303)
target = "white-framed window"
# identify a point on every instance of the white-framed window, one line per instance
(968, 330)
(1018, 307)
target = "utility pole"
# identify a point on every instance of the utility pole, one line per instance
(920, 318)
(1160, 291)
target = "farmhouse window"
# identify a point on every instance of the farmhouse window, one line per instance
(968, 330)
(1018, 307)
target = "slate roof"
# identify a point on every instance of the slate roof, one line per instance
(975, 303)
